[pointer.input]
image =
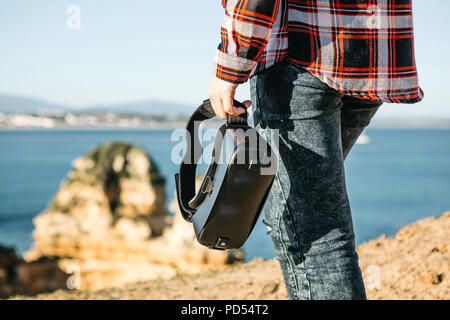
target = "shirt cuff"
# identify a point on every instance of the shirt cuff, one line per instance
(231, 68)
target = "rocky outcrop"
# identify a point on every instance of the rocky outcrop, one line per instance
(414, 264)
(108, 223)
(20, 277)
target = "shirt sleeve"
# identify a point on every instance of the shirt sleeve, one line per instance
(244, 33)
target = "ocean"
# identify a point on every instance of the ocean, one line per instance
(400, 176)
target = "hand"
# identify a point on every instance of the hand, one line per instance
(221, 94)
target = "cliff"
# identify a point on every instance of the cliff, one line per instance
(414, 264)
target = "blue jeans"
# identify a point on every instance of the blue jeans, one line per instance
(308, 212)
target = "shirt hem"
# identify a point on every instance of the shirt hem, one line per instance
(392, 98)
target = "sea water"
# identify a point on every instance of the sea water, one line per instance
(400, 176)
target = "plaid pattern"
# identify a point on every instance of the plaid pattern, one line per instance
(362, 48)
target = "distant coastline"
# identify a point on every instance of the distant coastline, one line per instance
(22, 113)
(117, 120)
(69, 120)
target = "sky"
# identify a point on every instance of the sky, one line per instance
(126, 51)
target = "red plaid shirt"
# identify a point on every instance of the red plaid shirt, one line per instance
(363, 48)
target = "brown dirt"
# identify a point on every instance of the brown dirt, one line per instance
(414, 264)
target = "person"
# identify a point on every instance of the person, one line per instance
(319, 71)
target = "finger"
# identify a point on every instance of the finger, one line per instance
(218, 108)
(228, 105)
(231, 109)
(239, 110)
(247, 103)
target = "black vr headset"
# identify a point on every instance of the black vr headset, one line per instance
(235, 186)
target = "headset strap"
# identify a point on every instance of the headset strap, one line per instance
(185, 179)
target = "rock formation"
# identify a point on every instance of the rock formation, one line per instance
(20, 277)
(108, 223)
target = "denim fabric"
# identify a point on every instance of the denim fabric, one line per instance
(308, 211)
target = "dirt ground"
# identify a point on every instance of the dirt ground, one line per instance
(414, 264)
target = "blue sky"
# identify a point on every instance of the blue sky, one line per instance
(146, 49)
